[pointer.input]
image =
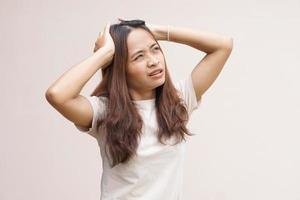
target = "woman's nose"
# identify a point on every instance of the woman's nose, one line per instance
(153, 61)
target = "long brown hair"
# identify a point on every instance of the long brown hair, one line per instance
(122, 121)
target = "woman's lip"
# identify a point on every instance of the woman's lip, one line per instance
(159, 75)
(161, 70)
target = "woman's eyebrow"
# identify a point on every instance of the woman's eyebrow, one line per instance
(142, 50)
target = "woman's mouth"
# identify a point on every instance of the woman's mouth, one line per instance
(157, 74)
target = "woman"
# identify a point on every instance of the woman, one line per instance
(136, 113)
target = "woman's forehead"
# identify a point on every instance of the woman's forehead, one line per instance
(139, 39)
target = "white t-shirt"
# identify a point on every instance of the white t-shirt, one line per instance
(156, 173)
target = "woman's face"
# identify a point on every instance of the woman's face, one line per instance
(144, 56)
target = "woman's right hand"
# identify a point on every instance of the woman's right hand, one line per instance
(105, 40)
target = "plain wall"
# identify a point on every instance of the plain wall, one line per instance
(247, 142)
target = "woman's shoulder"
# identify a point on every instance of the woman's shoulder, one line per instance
(186, 91)
(99, 99)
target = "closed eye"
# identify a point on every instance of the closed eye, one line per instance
(137, 57)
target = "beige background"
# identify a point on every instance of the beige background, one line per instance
(247, 143)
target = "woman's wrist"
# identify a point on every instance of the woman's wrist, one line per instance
(105, 55)
(163, 32)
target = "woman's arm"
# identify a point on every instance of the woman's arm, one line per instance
(69, 85)
(216, 46)
(64, 93)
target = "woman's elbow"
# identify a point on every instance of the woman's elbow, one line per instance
(229, 43)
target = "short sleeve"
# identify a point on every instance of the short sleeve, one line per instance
(187, 92)
(98, 107)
